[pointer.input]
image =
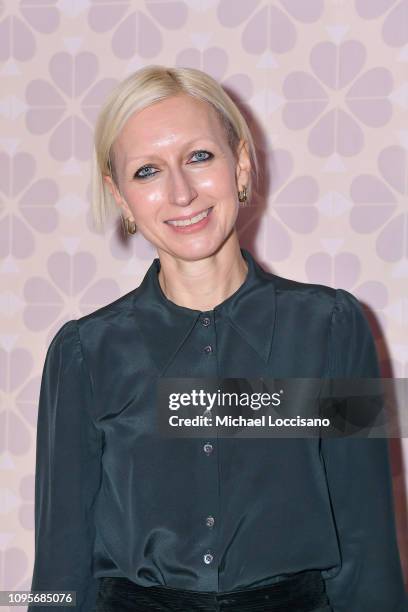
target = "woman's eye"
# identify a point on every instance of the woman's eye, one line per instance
(209, 155)
(139, 173)
(202, 156)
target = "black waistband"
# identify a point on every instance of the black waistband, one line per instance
(301, 592)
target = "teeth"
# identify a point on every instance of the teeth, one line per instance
(191, 221)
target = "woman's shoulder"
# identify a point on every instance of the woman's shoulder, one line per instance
(287, 286)
(107, 319)
(302, 293)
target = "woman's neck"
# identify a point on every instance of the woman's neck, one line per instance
(202, 284)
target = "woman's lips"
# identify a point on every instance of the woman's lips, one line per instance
(187, 217)
(192, 227)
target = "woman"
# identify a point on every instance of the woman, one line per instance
(132, 520)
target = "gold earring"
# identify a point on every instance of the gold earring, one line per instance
(242, 195)
(129, 226)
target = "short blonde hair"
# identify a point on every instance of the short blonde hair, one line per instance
(142, 88)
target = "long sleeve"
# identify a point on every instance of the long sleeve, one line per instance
(360, 486)
(67, 474)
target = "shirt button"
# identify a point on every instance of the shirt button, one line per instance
(209, 521)
(206, 321)
(208, 558)
(208, 448)
(208, 349)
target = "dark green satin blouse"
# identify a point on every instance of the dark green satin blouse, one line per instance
(113, 499)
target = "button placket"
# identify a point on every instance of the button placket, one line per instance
(209, 521)
(207, 557)
(206, 322)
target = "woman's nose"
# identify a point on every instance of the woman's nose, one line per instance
(181, 188)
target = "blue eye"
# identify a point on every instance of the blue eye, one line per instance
(210, 155)
(142, 176)
(139, 174)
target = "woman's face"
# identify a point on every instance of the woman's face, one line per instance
(173, 160)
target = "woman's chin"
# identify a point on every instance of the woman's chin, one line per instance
(195, 249)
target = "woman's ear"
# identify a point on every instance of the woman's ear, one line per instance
(120, 202)
(110, 184)
(243, 169)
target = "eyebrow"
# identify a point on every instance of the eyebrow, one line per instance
(153, 155)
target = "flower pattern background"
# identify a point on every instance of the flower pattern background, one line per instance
(324, 86)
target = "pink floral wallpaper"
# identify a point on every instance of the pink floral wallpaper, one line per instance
(324, 86)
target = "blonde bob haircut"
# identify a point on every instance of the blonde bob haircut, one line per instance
(141, 89)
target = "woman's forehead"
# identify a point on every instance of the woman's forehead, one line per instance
(178, 111)
(171, 122)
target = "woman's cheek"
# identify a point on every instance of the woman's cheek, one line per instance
(219, 186)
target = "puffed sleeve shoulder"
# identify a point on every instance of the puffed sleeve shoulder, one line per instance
(67, 474)
(360, 485)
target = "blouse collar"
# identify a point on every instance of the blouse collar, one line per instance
(165, 325)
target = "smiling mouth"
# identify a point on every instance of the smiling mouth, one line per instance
(191, 220)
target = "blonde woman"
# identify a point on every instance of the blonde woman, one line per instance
(131, 520)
